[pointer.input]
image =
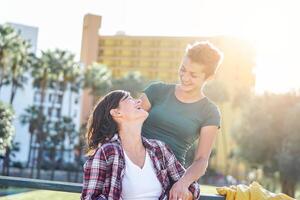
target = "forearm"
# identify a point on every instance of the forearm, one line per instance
(194, 172)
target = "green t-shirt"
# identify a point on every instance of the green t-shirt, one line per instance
(176, 123)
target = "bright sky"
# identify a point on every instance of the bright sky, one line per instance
(272, 25)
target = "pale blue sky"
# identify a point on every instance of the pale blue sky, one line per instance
(272, 26)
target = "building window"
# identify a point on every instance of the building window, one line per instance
(75, 114)
(102, 42)
(49, 112)
(50, 97)
(137, 43)
(58, 112)
(59, 99)
(37, 96)
(76, 100)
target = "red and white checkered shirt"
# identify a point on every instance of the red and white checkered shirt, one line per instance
(103, 172)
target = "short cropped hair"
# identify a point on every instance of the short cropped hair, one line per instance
(205, 53)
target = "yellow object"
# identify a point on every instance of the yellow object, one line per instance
(253, 192)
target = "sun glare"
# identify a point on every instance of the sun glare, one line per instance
(273, 34)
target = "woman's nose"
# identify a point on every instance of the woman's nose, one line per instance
(185, 77)
(138, 101)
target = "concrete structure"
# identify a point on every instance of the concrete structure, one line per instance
(31, 96)
(29, 33)
(23, 98)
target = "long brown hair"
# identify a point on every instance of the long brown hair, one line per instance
(101, 126)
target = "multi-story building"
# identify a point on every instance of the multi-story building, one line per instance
(158, 58)
(24, 97)
(56, 105)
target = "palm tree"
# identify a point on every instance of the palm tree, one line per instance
(79, 150)
(57, 136)
(15, 59)
(65, 70)
(6, 132)
(19, 65)
(58, 73)
(14, 63)
(132, 82)
(65, 128)
(68, 76)
(43, 73)
(7, 38)
(75, 79)
(31, 117)
(97, 78)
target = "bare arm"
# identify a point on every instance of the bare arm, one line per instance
(202, 154)
(199, 165)
(175, 171)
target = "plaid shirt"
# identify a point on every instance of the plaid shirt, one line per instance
(103, 172)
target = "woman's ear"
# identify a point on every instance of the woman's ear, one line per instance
(114, 112)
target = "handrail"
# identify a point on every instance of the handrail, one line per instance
(40, 184)
(64, 186)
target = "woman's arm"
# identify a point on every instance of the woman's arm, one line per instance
(200, 163)
(94, 177)
(175, 172)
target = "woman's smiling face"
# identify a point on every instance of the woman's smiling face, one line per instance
(130, 109)
(191, 75)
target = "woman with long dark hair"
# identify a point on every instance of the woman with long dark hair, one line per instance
(122, 164)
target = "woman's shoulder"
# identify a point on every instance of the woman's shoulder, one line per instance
(103, 155)
(107, 150)
(159, 86)
(211, 106)
(156, 144)
(111, 147)
(212, 114)
(156, 91)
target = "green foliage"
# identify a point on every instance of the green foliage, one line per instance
(55, 72)
(216, 91)
(288, 155)
(132, 82)
(97, 78)
(54, 67)
(30, 117)
(6, 127)
(268, 135)
(15, 59)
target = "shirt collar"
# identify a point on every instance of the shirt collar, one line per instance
(146, 142)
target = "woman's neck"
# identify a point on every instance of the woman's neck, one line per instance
(189, 96)
(130, 134)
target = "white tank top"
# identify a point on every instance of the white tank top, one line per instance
(141, 184)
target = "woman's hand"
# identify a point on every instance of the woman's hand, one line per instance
(180, 191)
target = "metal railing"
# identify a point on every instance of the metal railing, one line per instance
(64, 186)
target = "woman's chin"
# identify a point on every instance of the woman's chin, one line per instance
(145, 114)
(186, 88)
(142, 115)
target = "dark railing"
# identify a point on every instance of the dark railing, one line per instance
(64, 186)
